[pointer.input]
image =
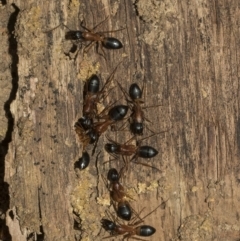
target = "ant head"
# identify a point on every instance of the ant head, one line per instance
(136, 128)
(108, 225)
(73, 35)
(111, 148)
(118, 112)
(93, 84)
(85, 122)
(113, 175)
(135, 92)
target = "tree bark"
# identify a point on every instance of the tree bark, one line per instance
(186, 54)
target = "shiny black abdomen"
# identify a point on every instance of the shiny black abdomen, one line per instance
(112, 43)
(147, 152)
(135, 92)
(93, 84)
(146, 230)
(118, 112)
(83, 161)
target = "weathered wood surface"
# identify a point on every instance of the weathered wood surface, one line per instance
(187, 53)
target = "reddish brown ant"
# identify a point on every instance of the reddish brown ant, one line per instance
(131, 229)
(114, 148)
(92, 94)
(118, 195)
(85, 126)
(93, 37)
(135, 102)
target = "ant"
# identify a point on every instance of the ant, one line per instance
(92, 94)
(115, 148)
(131, 229)
(118, 195)
(135, 101)
(89, 132)
(93, 37)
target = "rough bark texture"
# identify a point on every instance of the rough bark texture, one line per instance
(187, 54)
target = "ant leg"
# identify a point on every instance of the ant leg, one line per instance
(144, 164)
(109, 161)
(102, 114)
(126, 164)
(120, 173)
(75, 58)
(143, 88)
(103, 55)
(100, 23)
(128, 196)
(149, 129)
(111, 236)
(121, 128)
(105, 182)
(91, 30)
(117, 30)
(134, 137)
(64, 25)
(104, 92)
(114, 127)
(137, 216)
(53, 28)
(151, 106)
(67, 27)
(146, 119)
(109, 81)
(105, 95)
(95, 146)
(111, 216)
(125, 93)
(154, 134)
(111, 140)
(82, 24)
(114, 156)
(114, 206)
(161, 204)
(131, 237)
(87, 48)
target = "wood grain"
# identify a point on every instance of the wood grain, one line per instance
(187, 54)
